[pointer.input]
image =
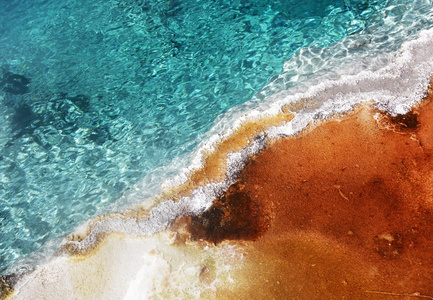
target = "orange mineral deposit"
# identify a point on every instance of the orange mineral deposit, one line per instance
(343, 210)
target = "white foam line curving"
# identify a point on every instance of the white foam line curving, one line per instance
(166, 212)
(395, 89)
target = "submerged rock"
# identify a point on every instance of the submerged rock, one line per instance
(14, 83)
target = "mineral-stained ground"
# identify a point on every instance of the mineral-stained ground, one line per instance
(343, 210)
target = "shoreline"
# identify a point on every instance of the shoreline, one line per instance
(341, 210)
(197, 216)
(329, 211)
(394, 88)
(130, 153)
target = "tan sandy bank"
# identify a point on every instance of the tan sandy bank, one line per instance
(343, 210)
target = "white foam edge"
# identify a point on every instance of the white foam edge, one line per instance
(388, 88)
(395, 89)
(162, 215)
(211, 145)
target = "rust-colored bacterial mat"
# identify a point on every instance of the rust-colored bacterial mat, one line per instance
(341, 211)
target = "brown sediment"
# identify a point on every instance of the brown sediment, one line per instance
(82, 253)
(214, 166)
(213, 170)
(6, 283)
(234, 216)
(342, 211)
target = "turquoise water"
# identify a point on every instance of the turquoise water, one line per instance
(97, 95)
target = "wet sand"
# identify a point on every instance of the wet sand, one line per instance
(343, 210)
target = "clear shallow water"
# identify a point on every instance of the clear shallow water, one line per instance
(119, 88)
